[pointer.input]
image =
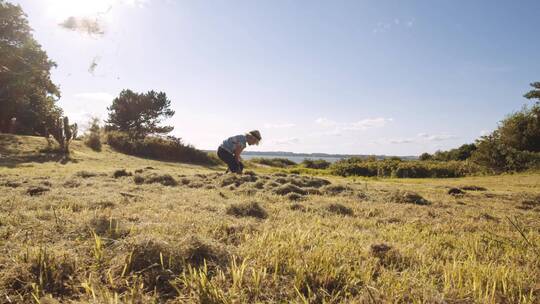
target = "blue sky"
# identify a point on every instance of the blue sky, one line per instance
(362, 77)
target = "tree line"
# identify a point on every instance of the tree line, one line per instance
(28, 105)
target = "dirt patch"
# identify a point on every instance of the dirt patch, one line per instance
(340, 209)
(11, 184)
(252, 209)
(103, 205)
(297, 207)
(456, 192)
(155, 262)
(38, 190)
(487, 217)
(259, 185)
(531, 203)
(195, 251)
(335, 189)
(289, 188)
(473, 188)
(165, 180)
(73, 183)
(294, 197)
(312, 182)
(233, 233)
(407, 197)
(387, 256)
(121, 173)
(236, 180)
(138, 179)
(86, 174)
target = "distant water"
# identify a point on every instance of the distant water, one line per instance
(296, 159)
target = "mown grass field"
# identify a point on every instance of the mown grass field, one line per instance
(72, 232)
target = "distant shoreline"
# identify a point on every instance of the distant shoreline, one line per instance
(298, 157)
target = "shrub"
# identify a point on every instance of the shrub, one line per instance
(168, 148)
(316, 163)
(274, 162)
(494, 154)
(404, 169)
(93, 137)
(515, 145)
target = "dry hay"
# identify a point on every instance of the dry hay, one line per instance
(196, 252)
(164, 179)
(11, 184)
(294, 197)
(52, 272)
(121, 173)
(297, 207)
(388, 256)
(473, 188)
(108, 227)
(311, 182)
(335, 189)
(38, 190)
(236, 180)
(251, 209)
(339, 209)
(233, 233)
(72, 183)
(85, 174)
(289, 188)
(456, 192)
(157, 262)
(532, 203)
(407, 197)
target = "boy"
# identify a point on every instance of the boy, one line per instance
(231, 148)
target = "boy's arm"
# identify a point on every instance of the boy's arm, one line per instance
(237, 152)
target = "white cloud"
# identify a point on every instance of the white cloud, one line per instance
(383, 27)
(369, 123)
(401, 141)
(361, 125)
(279, 125)
(325, 122)
(441, 137)
(83, 106)
(420, 138)
(286, 141)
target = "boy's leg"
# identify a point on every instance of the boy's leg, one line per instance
(229, 159)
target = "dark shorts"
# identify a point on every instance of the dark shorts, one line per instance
(230, 160)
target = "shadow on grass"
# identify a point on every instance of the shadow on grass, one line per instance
(12, 157)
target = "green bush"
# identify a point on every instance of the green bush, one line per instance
(93, 137)
(514, 146)
(274, 162)
(316, 163)
(404, 169)
(161, 148)
(499, 157)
